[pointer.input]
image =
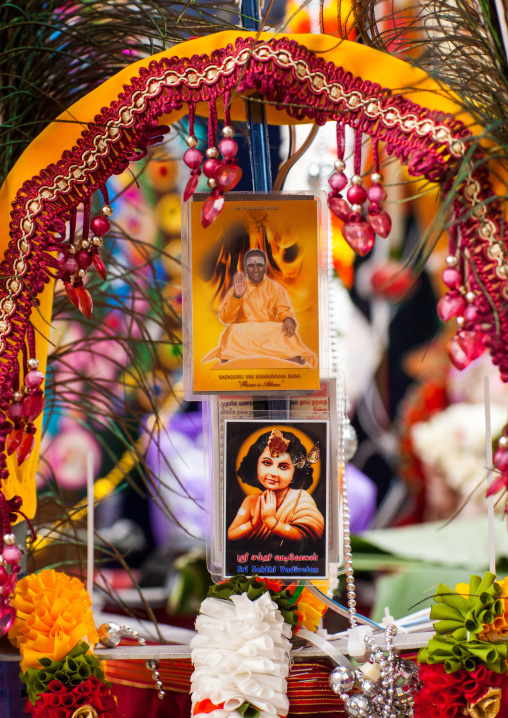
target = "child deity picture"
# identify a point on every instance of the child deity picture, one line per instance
(276, 498)
(254, 296)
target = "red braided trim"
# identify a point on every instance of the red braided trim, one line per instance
(292, 78)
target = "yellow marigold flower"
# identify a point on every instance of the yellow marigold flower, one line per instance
(53, 613)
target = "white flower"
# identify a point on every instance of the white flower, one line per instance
(241, 653)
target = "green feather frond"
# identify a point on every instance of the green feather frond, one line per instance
(55, 52)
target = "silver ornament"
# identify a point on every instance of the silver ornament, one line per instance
(110, 635)
(350, 440)
(369, 688)
(357, 706)
(403, 696)
(342, 679)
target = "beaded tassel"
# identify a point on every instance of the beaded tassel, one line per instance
(213, 205)
(193, 158)
(379, 220)
(77, 259)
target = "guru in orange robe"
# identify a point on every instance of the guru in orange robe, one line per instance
(255, 326)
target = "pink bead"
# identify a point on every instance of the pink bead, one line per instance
(339, 207)
(33, 405)
(471, 313)
(3, 575)
(11, 554)
(380, 222)
(193, 158)
(7, 618)
(456, 354)
(212, 207)
(376, 193)
(472, 343)
(34, 379)
(15, 410)
(360, 236)
(338, 181)
(451, 305)
(451, 277)
(227, 176)
(228, 148)
(356, 194)
(100, 225)
(501, 459)
(84, 259)
(210, 167)
(68, 267)
(190, 187)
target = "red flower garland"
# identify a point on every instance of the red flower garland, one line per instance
(446, 695)
(62, 701)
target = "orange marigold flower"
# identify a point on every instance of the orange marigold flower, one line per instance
(53, 613)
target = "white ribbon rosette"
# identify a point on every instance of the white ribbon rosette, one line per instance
(241, 655)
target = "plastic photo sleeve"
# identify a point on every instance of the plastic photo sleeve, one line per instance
(253, 286)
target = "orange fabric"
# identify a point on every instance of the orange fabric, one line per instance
(255, 326)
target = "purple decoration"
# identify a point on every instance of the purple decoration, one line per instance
(362, 494)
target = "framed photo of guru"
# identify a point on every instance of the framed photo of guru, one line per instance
(253, 299)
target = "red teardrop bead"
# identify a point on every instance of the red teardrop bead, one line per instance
(33, 406)
(472, 343)
(227, 176)
(360, 236)
(3, 575)
(212, 207)
(85, 303)
(456, 354)
(339, 207)
(26, 447)
(71, 294)
(14, 440)
(381, 223)
(190, 186)
(451, 305)
(99, 265)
